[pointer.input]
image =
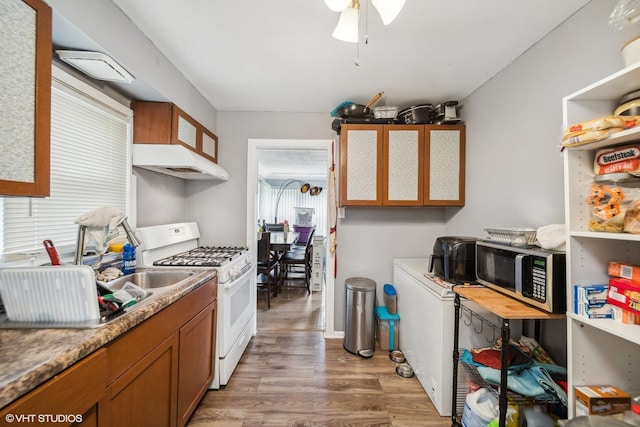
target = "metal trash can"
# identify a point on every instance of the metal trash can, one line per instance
(359, 330)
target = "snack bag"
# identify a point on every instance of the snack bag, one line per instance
(609, 204)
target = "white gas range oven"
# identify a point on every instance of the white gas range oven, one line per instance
(177, 246)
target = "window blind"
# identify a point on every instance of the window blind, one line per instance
(90, 165)
(292, 198)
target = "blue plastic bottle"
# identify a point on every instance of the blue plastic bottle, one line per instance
(128, 259)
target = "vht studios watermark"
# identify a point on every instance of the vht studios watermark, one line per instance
(43, 418)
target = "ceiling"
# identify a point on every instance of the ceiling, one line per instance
(278, 55)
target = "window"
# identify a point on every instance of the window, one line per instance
(292, 198)
(90, 168)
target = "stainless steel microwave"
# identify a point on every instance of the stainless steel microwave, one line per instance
(530, 274)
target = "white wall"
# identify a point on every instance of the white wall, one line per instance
(160, 198)
(222, 209)
(514, 122)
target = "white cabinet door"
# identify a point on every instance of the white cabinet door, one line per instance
(187, 132)
(404, 147)
(445, 157)
(360, 163)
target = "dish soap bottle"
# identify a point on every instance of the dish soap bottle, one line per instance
(128, 259)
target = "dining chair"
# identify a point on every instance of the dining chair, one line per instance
(295, 264)
(267, 267)
(274, 227)
(304, 237)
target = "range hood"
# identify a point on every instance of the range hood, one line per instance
(177, 160)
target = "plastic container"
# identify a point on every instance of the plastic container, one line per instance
(387, 329)
(128, 259)
(385, 112)
(390, 298)
(480, 408)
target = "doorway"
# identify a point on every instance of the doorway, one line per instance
(293, 167)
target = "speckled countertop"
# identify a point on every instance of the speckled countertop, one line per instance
(29, 357)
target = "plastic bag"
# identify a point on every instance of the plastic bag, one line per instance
(609, 204)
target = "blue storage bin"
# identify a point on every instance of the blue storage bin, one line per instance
(387, 328)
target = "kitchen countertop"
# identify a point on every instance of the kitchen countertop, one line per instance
(29, 357)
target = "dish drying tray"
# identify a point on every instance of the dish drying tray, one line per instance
(513, 236)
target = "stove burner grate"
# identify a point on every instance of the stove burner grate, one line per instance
(204, 256)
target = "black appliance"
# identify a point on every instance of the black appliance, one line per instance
(533, 275)
(454, 259)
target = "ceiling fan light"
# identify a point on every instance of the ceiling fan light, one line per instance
(388, 9)
(347, 28)
(337, 5)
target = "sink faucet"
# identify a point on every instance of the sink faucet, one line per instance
(131, 237)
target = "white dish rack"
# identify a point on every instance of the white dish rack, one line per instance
(513, 236)
(55, 294)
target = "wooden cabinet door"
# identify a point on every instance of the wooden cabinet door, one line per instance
(209, 146)
(146, 395)
(25, 98)
(403, 167)
(361, 148)
(73, 395)
(444, 179)
(185, 130)
(196, 368)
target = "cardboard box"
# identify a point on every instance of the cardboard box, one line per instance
(594, 311)
(590, 294)
(624, 270)
(626, 316)
(624, 293)
(599, 400)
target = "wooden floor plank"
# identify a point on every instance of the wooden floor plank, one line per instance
(290, 375)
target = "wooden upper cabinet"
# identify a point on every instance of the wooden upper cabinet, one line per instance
(444, 180)
(403, 168)
(166, 123)
(25, 98)
(209, 145)
(402, 165)
(361, 165)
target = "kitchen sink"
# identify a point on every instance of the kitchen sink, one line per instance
(156, 283)
(150, 279)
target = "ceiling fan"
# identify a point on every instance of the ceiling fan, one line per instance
(347, 28)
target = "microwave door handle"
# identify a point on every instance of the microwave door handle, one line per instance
(519, 261)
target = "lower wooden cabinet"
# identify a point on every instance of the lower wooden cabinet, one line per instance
(195, 363)
(70, 398)
(154, 375)
(146, 394)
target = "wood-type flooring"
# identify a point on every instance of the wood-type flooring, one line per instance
(290, 375)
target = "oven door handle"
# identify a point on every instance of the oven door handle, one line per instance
(246, 270)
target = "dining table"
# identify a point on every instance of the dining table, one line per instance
(281, 241)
